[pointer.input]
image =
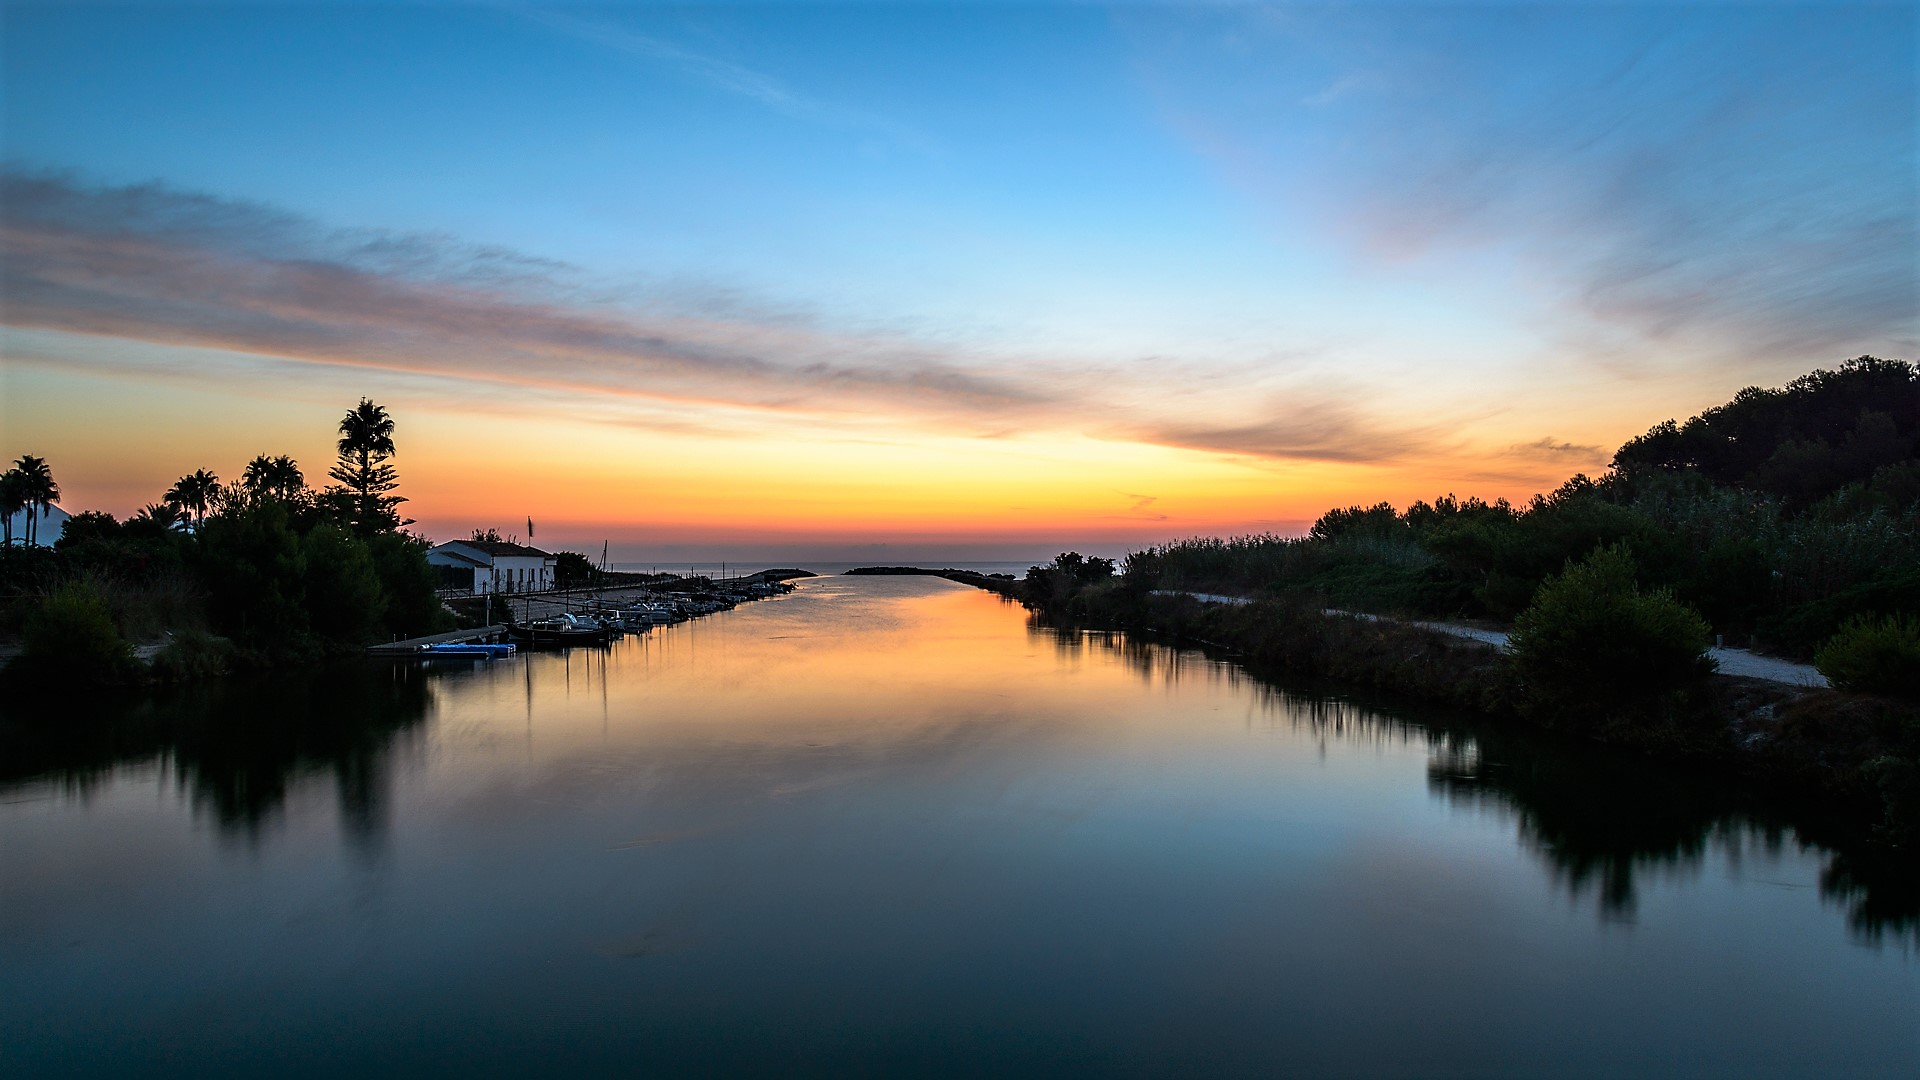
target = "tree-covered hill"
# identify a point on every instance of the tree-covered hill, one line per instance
(1857, 426)
(1778, 516)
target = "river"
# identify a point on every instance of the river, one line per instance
(892, 826)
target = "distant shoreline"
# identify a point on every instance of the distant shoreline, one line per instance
(1004, 584)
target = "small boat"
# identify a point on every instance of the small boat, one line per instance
(562, 630)
(648, 614)
(469, 649)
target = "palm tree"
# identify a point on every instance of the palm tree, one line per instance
(277, 476)
(366, 442)
(193, 494)
(163, 515)
(40, 490)
(13, 499)
(366, 429)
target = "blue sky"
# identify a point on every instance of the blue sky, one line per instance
(1387, 234)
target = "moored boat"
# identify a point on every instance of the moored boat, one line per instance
(467, 649)
(561, 630)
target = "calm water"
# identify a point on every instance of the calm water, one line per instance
(884, 826)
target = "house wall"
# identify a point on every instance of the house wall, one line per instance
(500, 574)
(521, 573)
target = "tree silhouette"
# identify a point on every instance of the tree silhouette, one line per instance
(163, 516)
(193, 494)
(1803, 441)
(276, 476)
(13, 499)
(39, 490)
(366, 442)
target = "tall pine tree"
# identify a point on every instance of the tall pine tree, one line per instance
(364, 471)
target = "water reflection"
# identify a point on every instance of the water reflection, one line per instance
(237, 748)
(875, 827)
(1602, 823)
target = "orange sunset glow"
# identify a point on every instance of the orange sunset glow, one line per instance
(854, 310)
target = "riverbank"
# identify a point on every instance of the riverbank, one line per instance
(189, 653)
(1856, 753)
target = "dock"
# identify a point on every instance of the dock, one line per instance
(532, 607)
(409, 646)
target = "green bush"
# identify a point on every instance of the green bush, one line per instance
(255, 572)
(193, 655)
(1593, 644)
(407, 582)
(1879, 655)
(344, 603)
(71, 634)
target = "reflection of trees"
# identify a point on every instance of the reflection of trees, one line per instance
(1603, 822)
(1880, 889)
(1158, 664)
(239, 746)
(1600, 821)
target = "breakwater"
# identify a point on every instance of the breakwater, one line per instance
(1004, 584)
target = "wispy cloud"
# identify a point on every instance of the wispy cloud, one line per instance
(1670, 185)
(724, 75)
(152, 264)
(1549, 447)
(1320, 426)
(1346, 86)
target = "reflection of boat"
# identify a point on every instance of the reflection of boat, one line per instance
(469, 649)
(560, 630)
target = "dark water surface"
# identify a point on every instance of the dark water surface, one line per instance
(884, 826)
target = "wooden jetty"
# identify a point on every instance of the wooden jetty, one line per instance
(410, 646)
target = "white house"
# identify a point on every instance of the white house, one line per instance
(495, 565)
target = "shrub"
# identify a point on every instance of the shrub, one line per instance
(1593, 644)
(1052, 586)
(71, 634)
(252, 564)
(407, 582)
(192, 655)
(1878, 655)
(344, 602)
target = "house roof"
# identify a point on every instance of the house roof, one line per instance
(498, 548)
(445, 551)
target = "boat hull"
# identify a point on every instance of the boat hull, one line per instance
(540, 636)
(468, 650)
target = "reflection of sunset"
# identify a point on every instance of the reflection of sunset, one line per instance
(854, 677)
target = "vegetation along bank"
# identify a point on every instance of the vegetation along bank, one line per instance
(1786, 519)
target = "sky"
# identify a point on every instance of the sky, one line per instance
(919, 281)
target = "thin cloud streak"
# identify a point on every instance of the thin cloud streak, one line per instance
(1670, 185)
(724, 75)
(151, 264)
(1548, 448)
(1320, 427)
(155, 277)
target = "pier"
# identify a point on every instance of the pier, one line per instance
(593, 602)
(409, 646)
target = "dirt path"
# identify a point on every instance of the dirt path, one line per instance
(1741, 662)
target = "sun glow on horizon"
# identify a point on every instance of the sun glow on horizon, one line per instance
(120, 443)
(804, 276)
